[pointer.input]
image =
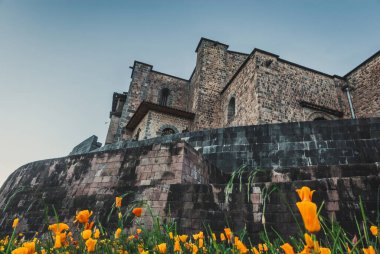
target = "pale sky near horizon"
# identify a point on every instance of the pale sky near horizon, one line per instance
(61, 60)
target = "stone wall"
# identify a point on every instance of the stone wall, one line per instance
(179, 89)
(284, 145)
(181, 184)
(146, 85)
(365, 82)
(215, 65)
(92, 181)
(269, 90)
(118, 101)
(193, 206)
(154, 123)
(136, 94)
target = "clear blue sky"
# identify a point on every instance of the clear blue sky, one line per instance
(61, 60)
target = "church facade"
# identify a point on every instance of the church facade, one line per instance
(229, 88)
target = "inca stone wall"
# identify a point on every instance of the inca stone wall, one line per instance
(196, 205)
(365, 82)
(283, 145)
(91, 181)
(178, 184)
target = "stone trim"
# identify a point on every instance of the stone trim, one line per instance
(166, 126)
(330, 111)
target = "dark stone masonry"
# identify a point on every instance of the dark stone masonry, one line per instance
(173, 143)
(339, 159)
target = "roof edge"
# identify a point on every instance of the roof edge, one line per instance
(209, 40)
(278, 59)
(363, 63)
(144, 108)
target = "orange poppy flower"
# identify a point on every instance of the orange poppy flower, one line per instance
(137, 211)
(118, 201)
(305, 193)
(31, 246)
(288, 249)
(83, 216)
(374, 230)
(228, 233)
(310, 219)
(309, 241)
(90, 244)
(369, 250)
(57, 228)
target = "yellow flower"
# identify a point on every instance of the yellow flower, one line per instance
(86, 234)
(117, 233)
(20, 250)
(162, 248)
(200, 242)
(374, 230)
(15, 223)
(310, 219)
(57, 228)
(305, 193)
(31, 246)
(97, 234)
(90, 244)
(137, 211)
(183, 238)
(177, 246)
(222, 237)
(369, 250)
(213, 236)
(83, 216)
(171, 235)
(288, 249)
(138, 231)
(118, 201)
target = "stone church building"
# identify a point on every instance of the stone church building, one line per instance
(229, 88)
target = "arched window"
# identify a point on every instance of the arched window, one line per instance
(167, 131)
(319, 119)
(164, 96)
(231, 109)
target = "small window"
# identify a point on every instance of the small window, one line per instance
(231, 109)
(164, 96)
(167, 131)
